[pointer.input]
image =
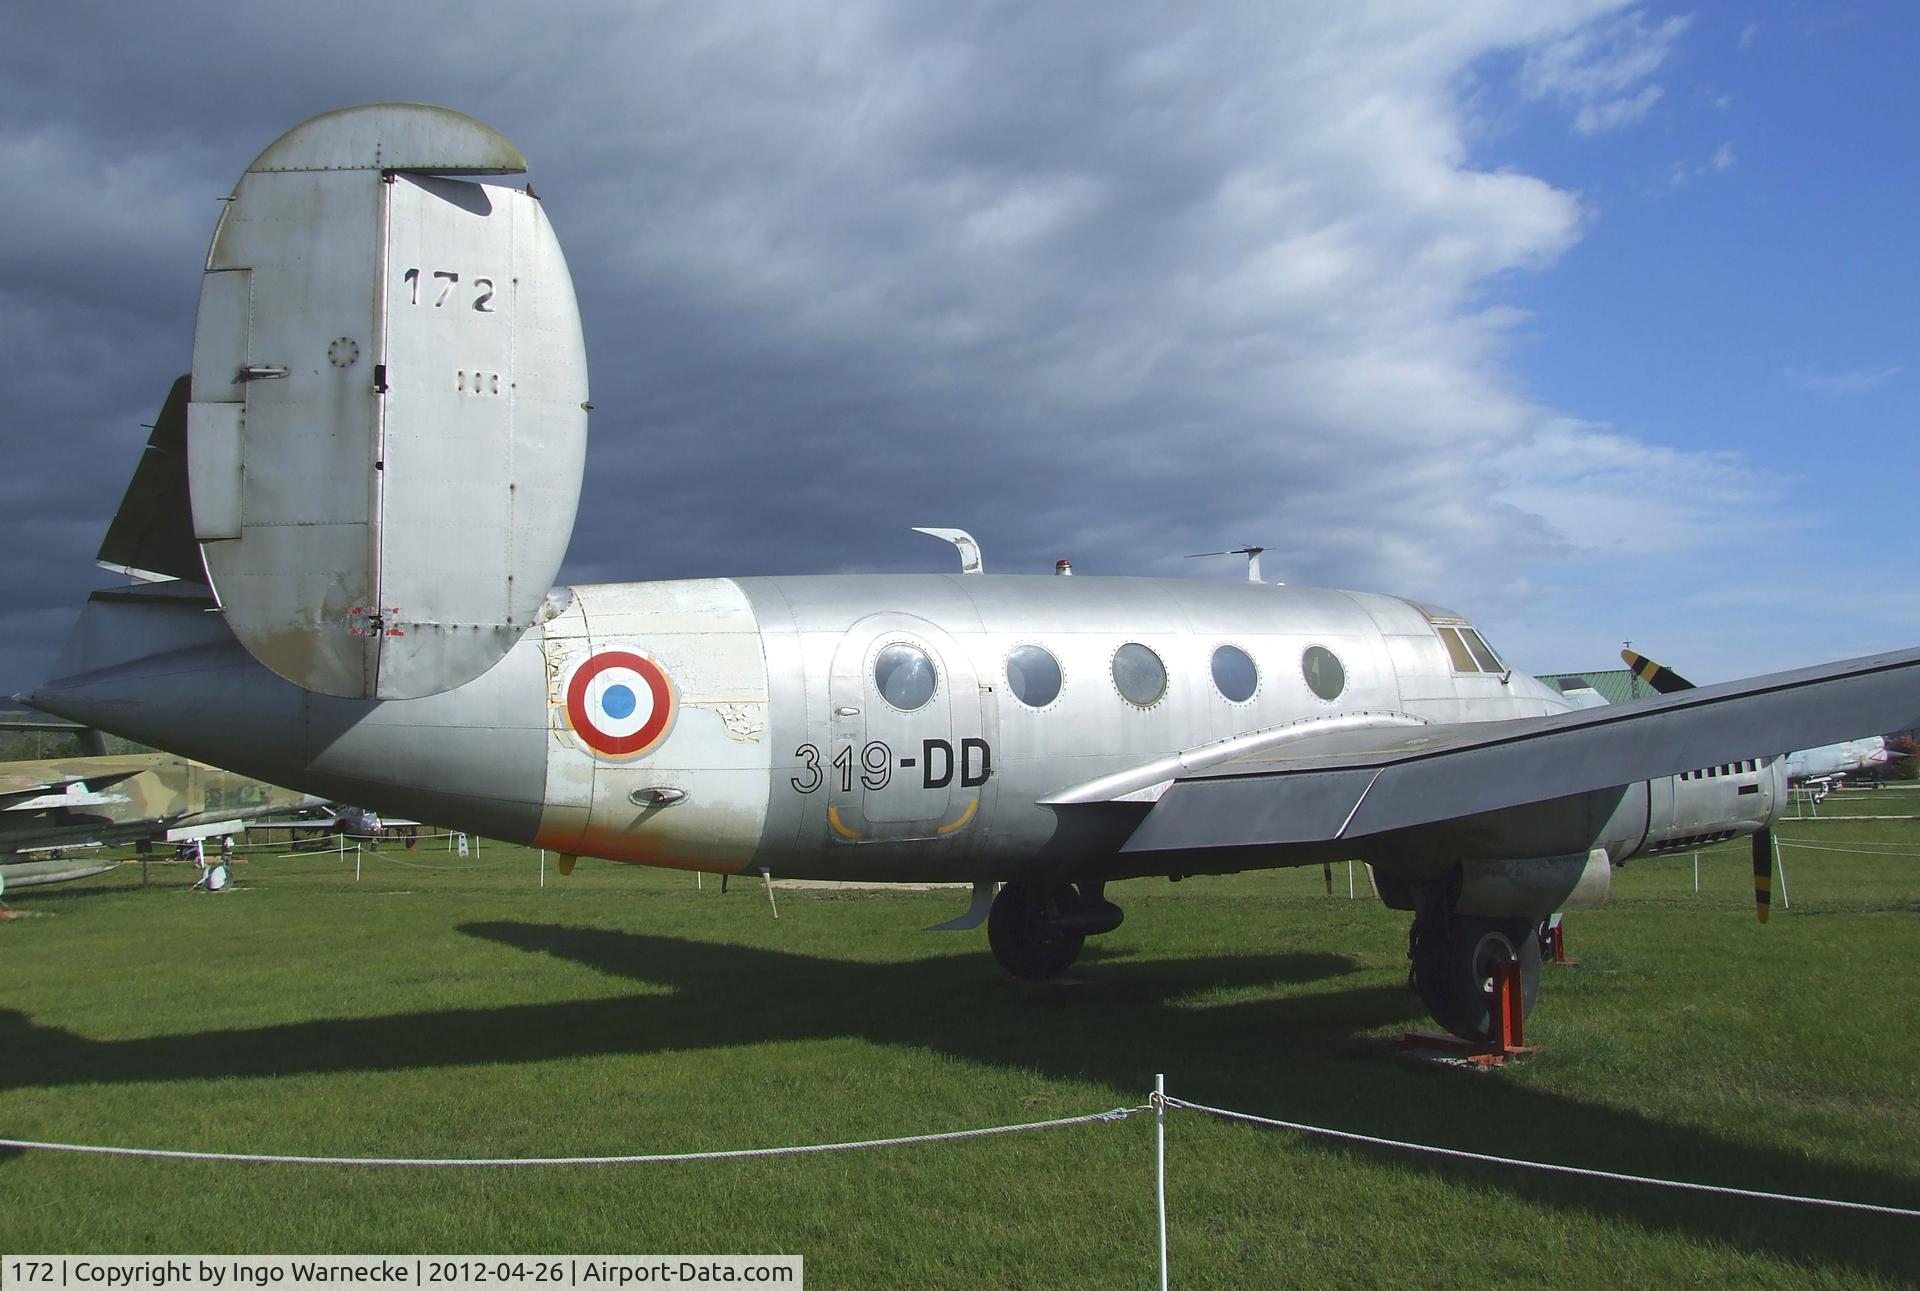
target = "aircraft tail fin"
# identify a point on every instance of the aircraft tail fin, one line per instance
(387, 424)
(151, 537)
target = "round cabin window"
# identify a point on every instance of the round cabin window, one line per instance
(1234, 675)
(1139, 675)
(1325, 677)
(1033, 675)
(904, 676)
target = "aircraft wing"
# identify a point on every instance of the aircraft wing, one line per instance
(1358, 782)
(324, 822)
(39, 791)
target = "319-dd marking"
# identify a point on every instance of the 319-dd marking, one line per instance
(937, 764)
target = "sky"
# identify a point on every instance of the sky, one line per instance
(1594, 321)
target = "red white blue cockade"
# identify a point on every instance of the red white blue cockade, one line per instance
(620, 703)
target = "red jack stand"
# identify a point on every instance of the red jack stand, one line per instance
(1509, 1021)
(1556, 947)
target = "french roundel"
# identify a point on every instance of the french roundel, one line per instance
(619, 703)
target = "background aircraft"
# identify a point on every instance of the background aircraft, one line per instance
(384, 434)
(58, 805)
(320, 821)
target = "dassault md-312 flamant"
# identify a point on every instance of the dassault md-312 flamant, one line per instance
(381, 443)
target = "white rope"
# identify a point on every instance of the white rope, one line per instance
(1584, 1173)
(422, 865)
(650, 1158)
(1876, 855)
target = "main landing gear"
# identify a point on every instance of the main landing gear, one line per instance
(1036, 928)
(1453, 967)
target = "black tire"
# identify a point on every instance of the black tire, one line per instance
(1454, 973)
(1021, 932)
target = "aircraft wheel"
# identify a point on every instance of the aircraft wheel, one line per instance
(1020, 929)
(1453, 970)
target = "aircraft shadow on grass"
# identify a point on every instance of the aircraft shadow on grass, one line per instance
(1299, 1056)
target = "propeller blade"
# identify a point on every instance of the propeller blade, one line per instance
(1762, 874)
(1664, 680)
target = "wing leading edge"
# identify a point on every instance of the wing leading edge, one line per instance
(1378, 780)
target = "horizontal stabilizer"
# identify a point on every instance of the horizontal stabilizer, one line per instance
(33, 874)
(1388, 779)
(151, 536)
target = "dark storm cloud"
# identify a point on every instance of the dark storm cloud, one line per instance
(1112, 283)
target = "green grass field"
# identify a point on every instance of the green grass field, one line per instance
(461, 1010)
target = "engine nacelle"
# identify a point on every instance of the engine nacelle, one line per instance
(1711, 805)
(1525, 888)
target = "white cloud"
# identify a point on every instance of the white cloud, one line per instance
(1856, 381)
(1602, 70)
(1604, 493)
(1611, 114)
(1722, 160)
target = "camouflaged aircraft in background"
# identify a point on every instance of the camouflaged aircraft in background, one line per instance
(51, 808)
(382, 441)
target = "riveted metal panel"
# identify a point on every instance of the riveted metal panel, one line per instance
(695, 797)
(484, 429)
(407, 354)
(299, 570)
(213, 472)
(393, 136)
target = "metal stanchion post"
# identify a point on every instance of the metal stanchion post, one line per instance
(1780, 864)
(1160, 1166)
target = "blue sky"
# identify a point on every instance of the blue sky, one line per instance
(1745, 282)
(1592, 320)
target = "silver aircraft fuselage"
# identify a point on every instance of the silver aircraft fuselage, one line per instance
(736, 725)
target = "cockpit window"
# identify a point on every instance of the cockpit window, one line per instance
(1482, 654)
(1469, 651)
(1457, 650)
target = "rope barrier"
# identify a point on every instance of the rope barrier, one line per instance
(1580, 1171)
(1878, 856)
(649, 1158)
(1156, 1102)
(422, 865)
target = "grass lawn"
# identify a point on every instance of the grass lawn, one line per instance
(440, 1007)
